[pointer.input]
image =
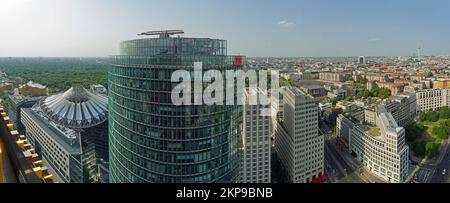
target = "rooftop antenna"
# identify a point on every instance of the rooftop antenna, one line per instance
(162, 33)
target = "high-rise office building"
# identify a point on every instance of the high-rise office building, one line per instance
(153, 140)
(362, 60)
(257, 134)
(298, 144)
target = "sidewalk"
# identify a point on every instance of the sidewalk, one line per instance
(412, 173)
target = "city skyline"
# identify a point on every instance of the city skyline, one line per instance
(340, 120)
(83, 28)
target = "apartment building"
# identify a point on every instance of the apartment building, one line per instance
(441, 83)
(376, 77)
(432, 99)
(335, 77)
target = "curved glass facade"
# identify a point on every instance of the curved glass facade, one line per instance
(152, 140)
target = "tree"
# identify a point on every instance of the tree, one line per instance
(336, 99)
(418, 148)
(350, 99)
(362, 81)
(57, 74)
(5, 102)
(413, 132)
(325, 100)
(429, 117)
(381, 93)
(441, 132)
(431, 150)
(364, 94)
(444, 113)
(446, 123)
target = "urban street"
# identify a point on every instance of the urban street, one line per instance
(442, 169)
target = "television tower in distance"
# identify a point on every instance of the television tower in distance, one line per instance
(418, 52)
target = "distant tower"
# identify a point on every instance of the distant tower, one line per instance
(362, 60)
(418, 52)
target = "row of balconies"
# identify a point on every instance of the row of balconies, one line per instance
(28, 151)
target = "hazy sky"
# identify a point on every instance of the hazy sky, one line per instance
(252, 27)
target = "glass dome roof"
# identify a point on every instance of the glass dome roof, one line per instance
(77, 108)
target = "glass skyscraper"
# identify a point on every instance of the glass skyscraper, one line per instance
(151, 139)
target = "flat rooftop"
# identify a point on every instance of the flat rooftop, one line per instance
(64, 136)
(19, 98)
(313, 87)
(374, 132)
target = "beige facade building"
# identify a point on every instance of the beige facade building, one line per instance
(335, 77)
(381, 148)
(298, 144)
(256, 139)
(33, 89)
(432, 99)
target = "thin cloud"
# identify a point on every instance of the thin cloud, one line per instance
(287, 24)
(376, 39)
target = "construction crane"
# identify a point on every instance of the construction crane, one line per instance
(163, 33)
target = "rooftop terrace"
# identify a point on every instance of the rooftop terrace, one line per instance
(374, 132)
